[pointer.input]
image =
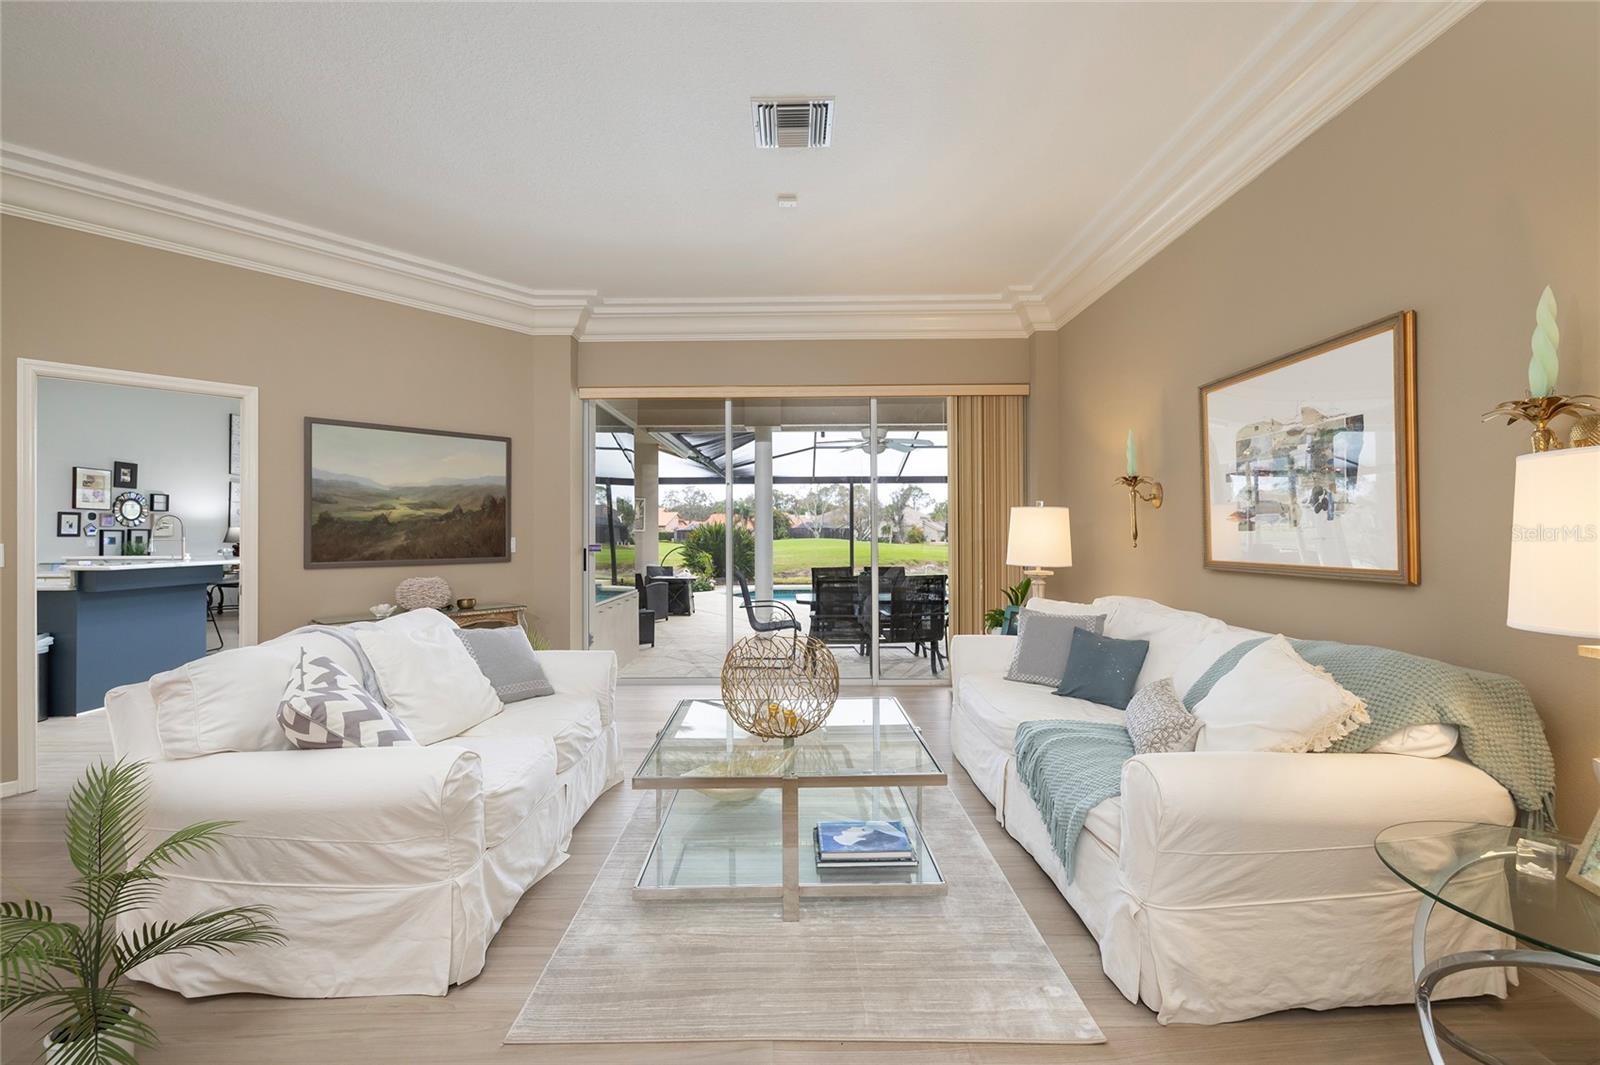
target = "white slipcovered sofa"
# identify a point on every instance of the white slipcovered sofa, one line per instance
(1223, 885)
(390, 869)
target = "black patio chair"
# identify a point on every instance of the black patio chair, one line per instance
(835, 613)
(652, 601)
(916, 617)
(780, 618)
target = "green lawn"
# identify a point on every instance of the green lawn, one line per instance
(792, 559)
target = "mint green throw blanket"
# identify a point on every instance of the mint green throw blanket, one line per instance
(1500, 730)
(1070, 767)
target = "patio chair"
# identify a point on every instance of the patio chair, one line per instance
(916, 617)
(835, 613)
(780, 618)
(652, 601)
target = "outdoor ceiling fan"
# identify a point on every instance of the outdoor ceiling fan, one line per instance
(882, 443)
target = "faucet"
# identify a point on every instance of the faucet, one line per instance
(183, 536)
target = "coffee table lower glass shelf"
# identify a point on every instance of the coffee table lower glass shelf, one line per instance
(729, 844)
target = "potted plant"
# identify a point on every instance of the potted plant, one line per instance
(1000, 618)
(74, 973)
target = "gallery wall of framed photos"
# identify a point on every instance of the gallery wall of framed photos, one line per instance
(169, 452)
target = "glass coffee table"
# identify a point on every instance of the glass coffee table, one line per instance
(735, 813)
(1473, 869)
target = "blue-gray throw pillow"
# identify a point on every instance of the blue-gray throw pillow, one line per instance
(1101, 669)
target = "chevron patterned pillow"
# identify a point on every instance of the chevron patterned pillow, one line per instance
(324, 707)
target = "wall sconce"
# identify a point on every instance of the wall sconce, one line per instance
(1151, 490)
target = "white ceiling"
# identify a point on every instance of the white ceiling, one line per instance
(597, 159)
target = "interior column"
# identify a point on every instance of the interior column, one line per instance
(647, 486)
(763, 512)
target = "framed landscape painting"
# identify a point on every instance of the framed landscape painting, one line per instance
(1309, 461)
(384, 495)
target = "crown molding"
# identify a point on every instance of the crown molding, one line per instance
(63, 192)
(1322, 58)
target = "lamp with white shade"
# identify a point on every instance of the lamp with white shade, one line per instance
(1039, 537)
(1555, 545)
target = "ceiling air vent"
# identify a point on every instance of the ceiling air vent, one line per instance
(793, 123)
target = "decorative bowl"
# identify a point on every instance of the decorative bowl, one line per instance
(382, 610)
(466, 603)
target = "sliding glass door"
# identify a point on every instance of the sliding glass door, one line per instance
(835, 509)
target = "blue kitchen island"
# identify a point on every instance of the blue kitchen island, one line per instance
(120, 622)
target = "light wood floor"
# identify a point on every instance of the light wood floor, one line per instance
(466, 1026)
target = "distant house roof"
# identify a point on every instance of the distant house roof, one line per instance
(669, 520)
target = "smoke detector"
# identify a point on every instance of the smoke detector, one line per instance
(793, 123)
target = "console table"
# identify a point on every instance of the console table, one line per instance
(482, 616)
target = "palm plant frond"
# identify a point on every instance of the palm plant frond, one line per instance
(70, 975)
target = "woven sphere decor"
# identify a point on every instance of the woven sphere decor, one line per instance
(779, 687)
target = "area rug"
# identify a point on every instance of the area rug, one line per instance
(966, 966)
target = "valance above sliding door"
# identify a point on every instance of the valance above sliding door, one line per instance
(985, 483)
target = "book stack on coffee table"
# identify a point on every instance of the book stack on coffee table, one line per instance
(862, 844)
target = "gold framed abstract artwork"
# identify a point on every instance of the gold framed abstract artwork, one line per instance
(1309, 460)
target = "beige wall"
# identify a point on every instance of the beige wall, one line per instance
(1458, 188)
(72, 297)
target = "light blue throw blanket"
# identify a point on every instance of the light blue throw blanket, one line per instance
(1070, 767)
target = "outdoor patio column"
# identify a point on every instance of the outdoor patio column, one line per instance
(646, 473)
(763, 512)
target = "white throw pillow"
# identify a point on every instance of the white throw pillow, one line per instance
(1040, 605)
(1419, 741)
(428, 677)
(1172, 634)
(1192, 666)
(229, 701)
(1274, 700)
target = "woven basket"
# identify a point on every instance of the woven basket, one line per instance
(779, 686)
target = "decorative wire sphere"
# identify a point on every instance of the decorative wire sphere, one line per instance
(779, 687)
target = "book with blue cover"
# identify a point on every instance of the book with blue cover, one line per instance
(862, 841)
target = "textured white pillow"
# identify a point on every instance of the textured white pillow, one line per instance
(1274, 700)
(429, 679)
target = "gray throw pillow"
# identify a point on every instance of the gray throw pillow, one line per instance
(1158, 722)
(1101, 669)
(506, 657)
(1042, 643)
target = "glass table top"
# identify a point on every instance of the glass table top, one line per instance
(1472, 869)
(866, 742)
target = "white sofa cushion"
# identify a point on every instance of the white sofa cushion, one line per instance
(1274, 700)
(1172, 634)
(518, 773)
(229, 701)
(997, 706)
(428, 678)
(569, 722)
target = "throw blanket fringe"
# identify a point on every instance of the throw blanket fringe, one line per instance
(1069, 768)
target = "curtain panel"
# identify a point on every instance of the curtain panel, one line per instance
(985, 483)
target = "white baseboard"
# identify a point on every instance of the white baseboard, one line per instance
(1583, 993)
(9, 788)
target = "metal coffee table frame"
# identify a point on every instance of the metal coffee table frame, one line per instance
(789, 784)
(1428, 974)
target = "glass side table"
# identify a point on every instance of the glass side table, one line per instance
(1474, 870)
